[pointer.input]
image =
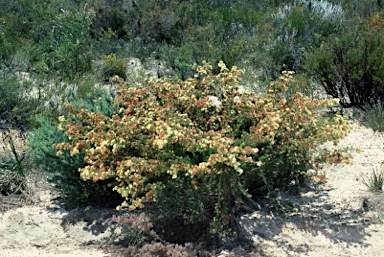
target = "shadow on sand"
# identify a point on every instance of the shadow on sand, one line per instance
(340, 223)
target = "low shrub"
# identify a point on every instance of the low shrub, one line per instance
(16, 107)
(195, 147)
(8, 97)
(114, 66)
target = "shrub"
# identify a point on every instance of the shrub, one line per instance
(15, 106)
(66, 53)
(362, 9)
(63, 169)
(351, 67)
(8, 96)
(8, 47)
(114, 66)
(203, 141)
(290, 31)
(113, 18)
(20, 18)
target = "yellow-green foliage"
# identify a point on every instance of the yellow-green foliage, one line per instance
(114, 66)
(200, 135)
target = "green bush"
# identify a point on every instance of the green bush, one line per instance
(66, 52)
(114, 66)
(195, 146)
(8, 97)
(113, 19)
(63, 169)
(8, 47)
(18, 18)
(288, 32)
(351, 67)
(16, 106)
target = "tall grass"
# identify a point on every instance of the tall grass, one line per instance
(375, 181)
(373, 116)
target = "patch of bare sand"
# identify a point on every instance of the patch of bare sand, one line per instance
(47, 230)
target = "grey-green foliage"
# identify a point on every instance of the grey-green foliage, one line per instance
(298, 29)
(8, 97)
(20, 18)
(15, 108)
(8, 47)
(362, 9)
(63, 169)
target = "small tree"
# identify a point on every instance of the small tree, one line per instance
(351, 67)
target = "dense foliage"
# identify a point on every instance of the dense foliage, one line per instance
(84, 42)
(351, 66)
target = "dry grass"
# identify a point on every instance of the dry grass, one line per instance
(15, 184)
(373, 117)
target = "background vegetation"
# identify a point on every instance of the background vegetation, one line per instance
(84, 42)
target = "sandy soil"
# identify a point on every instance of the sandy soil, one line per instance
(337, 218)
(46, 230)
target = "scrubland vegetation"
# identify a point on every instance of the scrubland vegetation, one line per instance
(186, 110)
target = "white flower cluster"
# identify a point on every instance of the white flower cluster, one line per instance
(327, 10)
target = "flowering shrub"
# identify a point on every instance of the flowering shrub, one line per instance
(202, 139)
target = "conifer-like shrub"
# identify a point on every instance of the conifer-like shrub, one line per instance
(63, 169)
(195, 147)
